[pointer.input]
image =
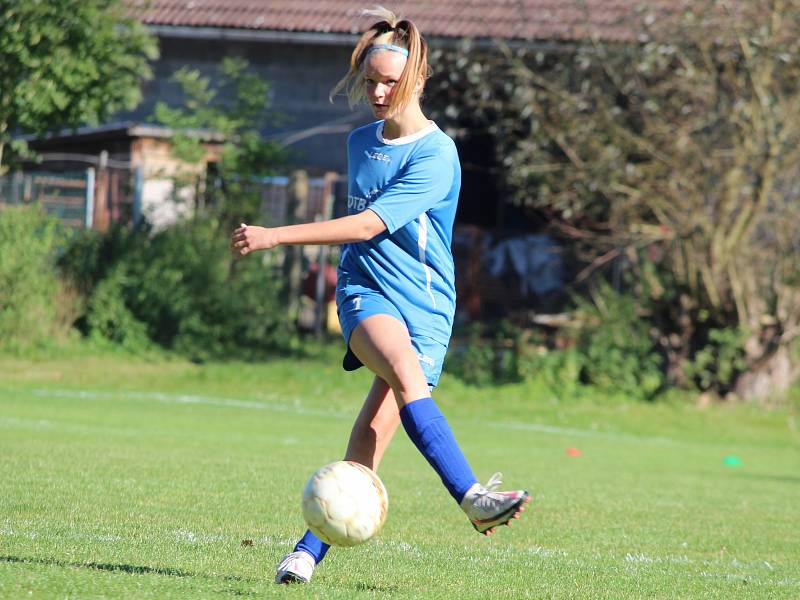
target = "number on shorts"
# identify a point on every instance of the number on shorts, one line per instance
(357, 302)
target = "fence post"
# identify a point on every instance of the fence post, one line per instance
(17, 182)
(319, 291)
(138, 184)
(330, 179)
(101, 194)
(89, 209)
(293, 267)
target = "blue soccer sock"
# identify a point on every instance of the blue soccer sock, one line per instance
(428, 429)
(313, 545)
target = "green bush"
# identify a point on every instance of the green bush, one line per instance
(29, 286)
(472, 360)
(611, 350)
(109, 318)
(616, 348)
(560, 370)
(182, 288)
(89, 255)
(490, 353)
(719, 361)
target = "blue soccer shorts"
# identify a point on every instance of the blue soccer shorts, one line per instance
(356, 307)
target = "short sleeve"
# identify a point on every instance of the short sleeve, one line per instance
(426, 180)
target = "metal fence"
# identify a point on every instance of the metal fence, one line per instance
(299, 198)
(88, 198)
(68, 195)
(111, 192)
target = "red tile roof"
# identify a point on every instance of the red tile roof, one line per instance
(508, 19)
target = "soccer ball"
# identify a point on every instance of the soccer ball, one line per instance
(345, 503)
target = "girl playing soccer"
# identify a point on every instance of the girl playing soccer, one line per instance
(395, 290)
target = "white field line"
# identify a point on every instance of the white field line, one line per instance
(25, 531)
(295, 406)
(573, 432)
(759, 572)
(180, 535)
(49, 424)
(7, 530)
(185, 535)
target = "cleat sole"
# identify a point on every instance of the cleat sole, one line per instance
(504, 519)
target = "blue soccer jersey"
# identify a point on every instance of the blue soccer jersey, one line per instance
(412, 183)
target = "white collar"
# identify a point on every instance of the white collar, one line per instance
(406, 139)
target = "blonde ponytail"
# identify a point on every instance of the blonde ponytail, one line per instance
(397, 32)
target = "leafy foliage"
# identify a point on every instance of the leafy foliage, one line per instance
(109, 318)
(560, 370)
(673, 158)
(198, 300)
(68, 62)
(180, 288)
(234, 108)
(89, 255)
(719, 361)
(609, 345)
(29, 286)
(487, 353)
(616, 345)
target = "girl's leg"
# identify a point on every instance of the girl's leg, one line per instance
(372, 431)
(383, 344)
(374, 427)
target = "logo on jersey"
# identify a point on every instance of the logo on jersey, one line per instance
(357, 203)
(377, 156)
(426, 359)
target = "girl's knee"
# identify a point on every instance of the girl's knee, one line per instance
(405, 371)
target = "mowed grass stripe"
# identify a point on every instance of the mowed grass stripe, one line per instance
(128, 493)
(298, 406)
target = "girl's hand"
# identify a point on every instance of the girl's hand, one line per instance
(248, 238)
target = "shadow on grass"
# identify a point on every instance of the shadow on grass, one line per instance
(114, 568)
(769, 477)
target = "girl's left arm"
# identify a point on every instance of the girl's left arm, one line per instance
(344, 230)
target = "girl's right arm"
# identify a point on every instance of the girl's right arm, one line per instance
(352, 228)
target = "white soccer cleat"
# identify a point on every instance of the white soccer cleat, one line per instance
(488, 509)
(295, 567)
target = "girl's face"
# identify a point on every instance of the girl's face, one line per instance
(382, 71)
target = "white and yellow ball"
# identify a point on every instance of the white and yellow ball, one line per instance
(345, 503)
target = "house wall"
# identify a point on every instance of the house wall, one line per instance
(116, 145)
(301, 77)
(161, 203)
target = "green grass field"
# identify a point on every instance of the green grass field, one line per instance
(133, 478)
